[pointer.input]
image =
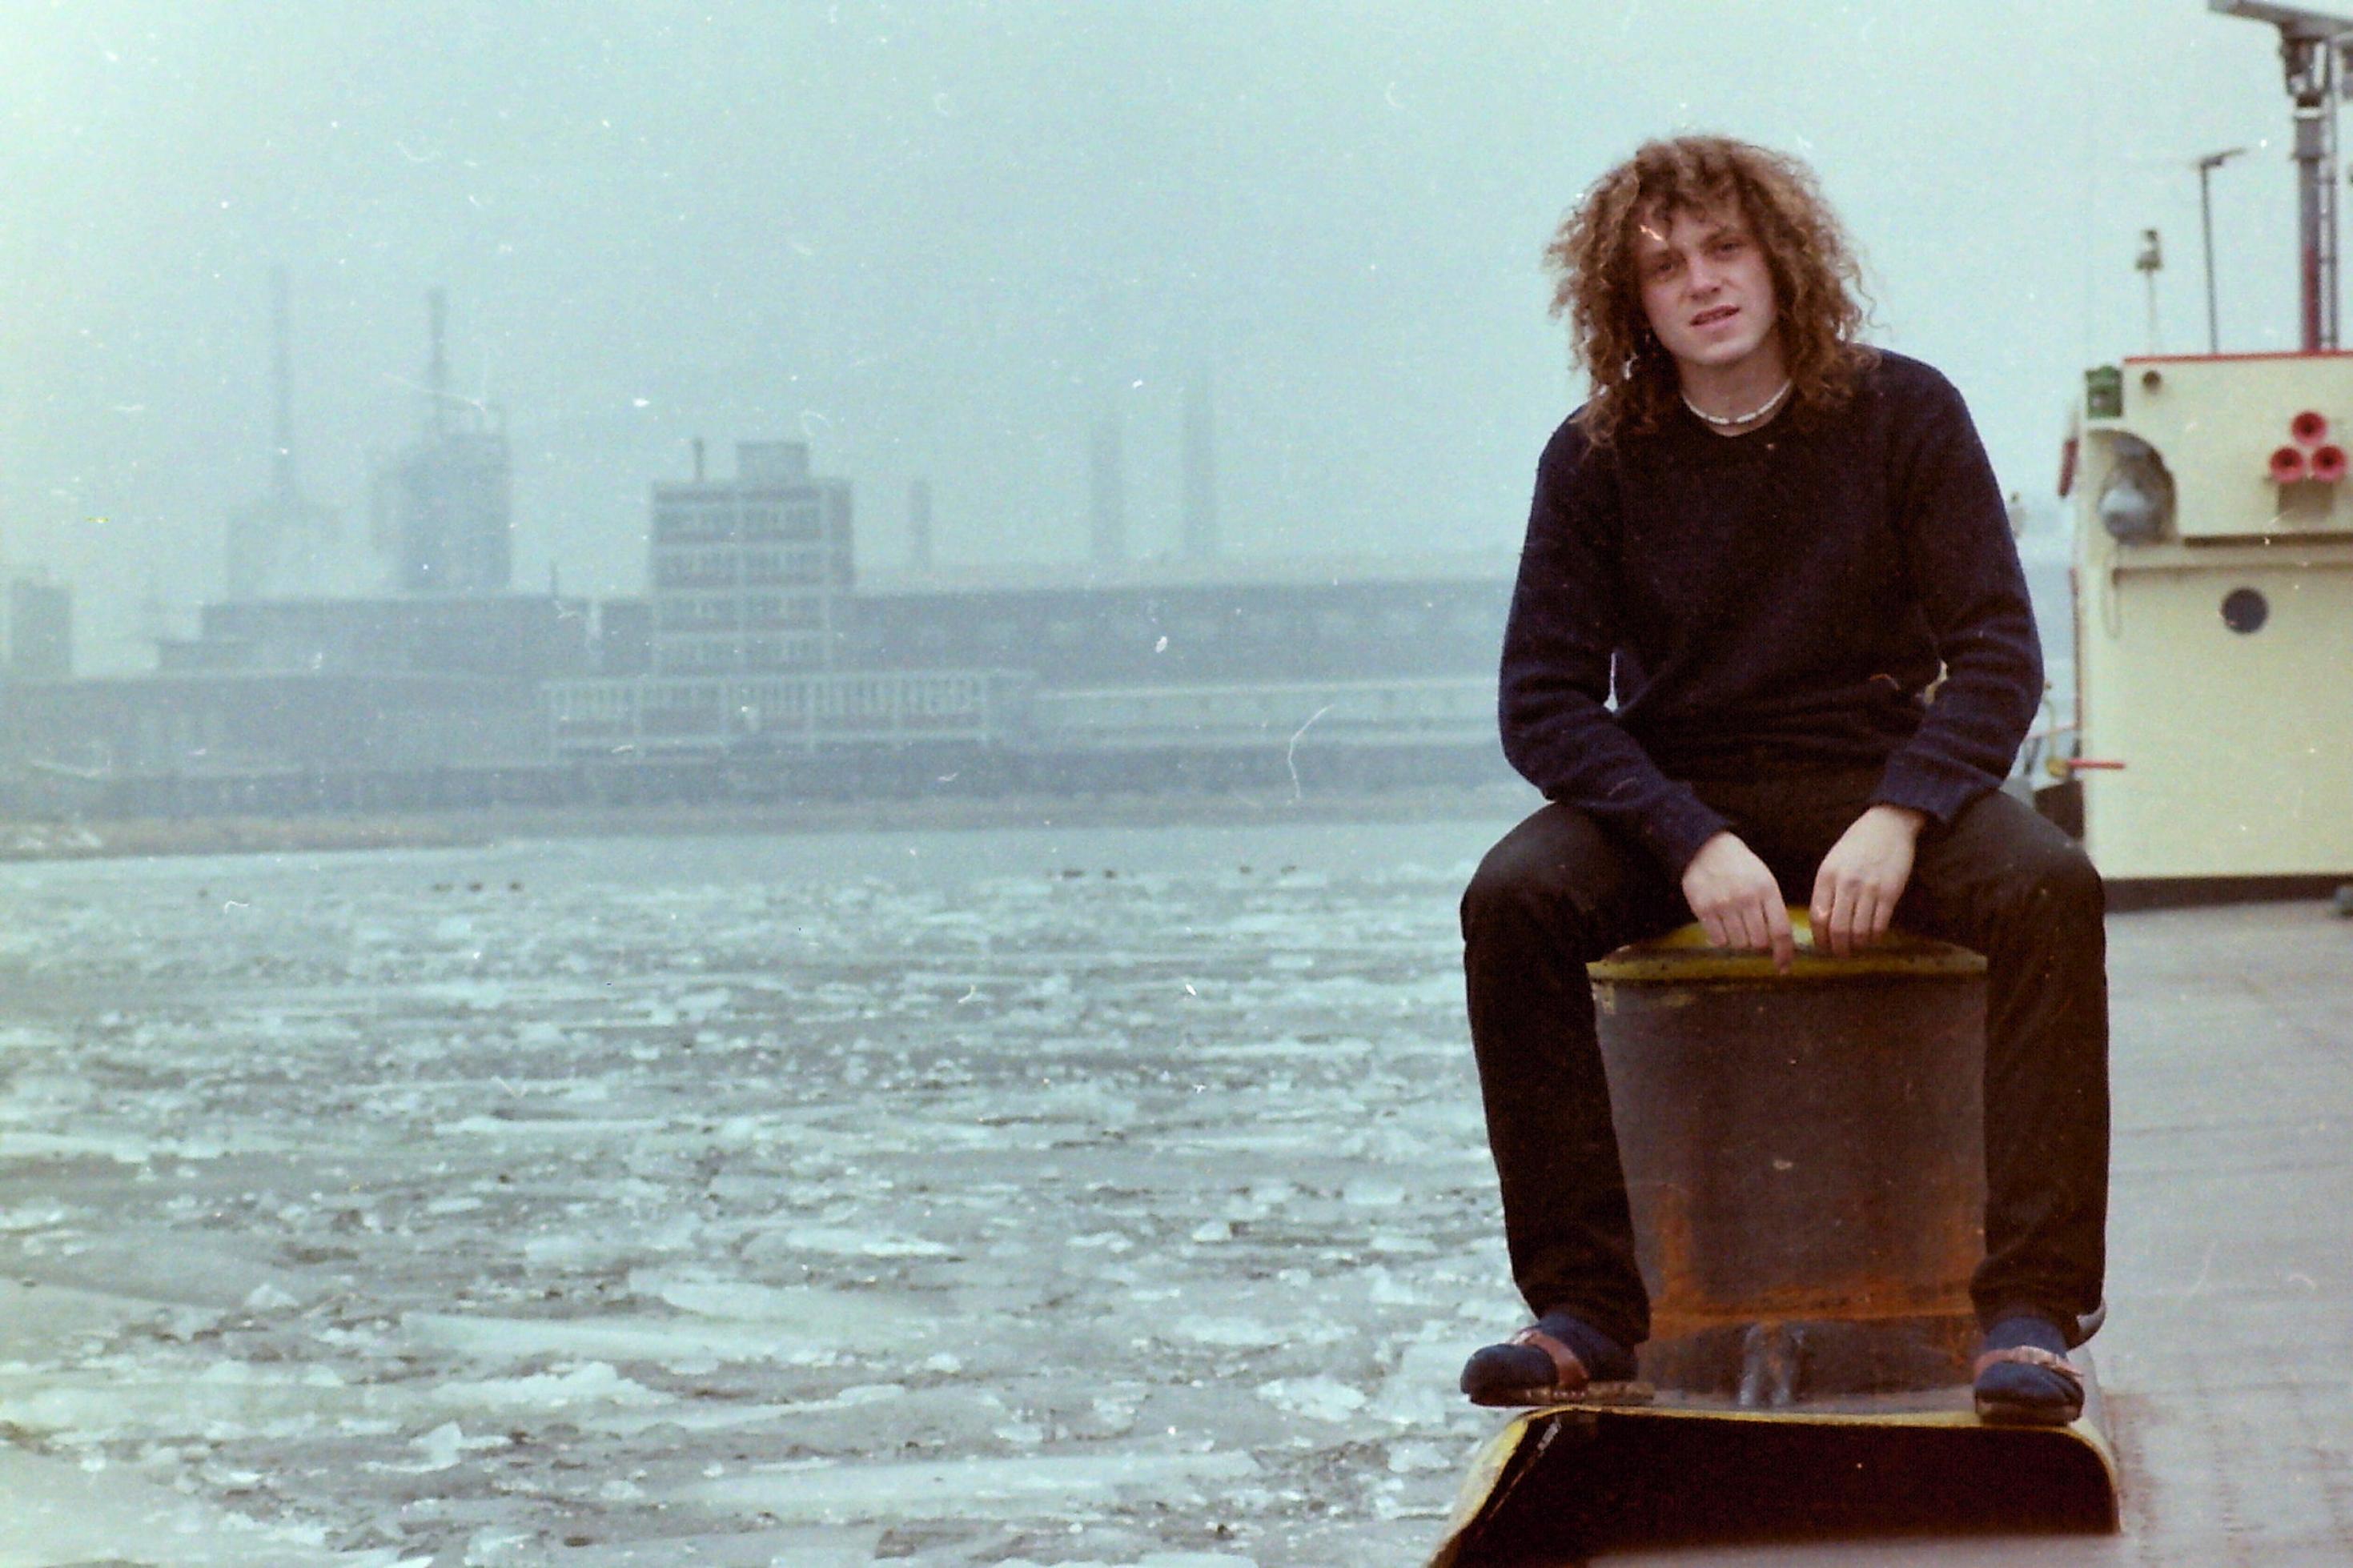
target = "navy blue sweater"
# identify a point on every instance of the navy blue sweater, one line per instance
(1775, 601)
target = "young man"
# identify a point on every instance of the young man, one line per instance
(1785, 556)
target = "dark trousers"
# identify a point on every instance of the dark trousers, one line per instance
(1562, 890)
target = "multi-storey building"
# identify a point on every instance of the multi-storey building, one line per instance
(37, 620)
(749, 574)
(444, 505)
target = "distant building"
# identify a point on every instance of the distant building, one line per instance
(751, 574)
(1200, 517)
(625, 637)
(516, 636)
(193, 745)
(39, 629)
(1207, 673)
(444, 505)
(1189, 622)
(919, 525)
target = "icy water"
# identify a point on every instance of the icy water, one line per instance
(1104, 1197)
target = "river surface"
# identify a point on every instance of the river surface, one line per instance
(1113, 1198)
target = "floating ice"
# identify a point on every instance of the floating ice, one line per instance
(846, 1243)
(950, 1489)
(1322, 1398)
(1372, 1192)
(1246, 1334)
(594, 1384)
(739, 1153)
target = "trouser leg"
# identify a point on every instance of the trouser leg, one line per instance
(1557, 892)
(2003, 881)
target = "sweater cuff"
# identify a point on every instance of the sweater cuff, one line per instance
(1679, 827)
(1941, 793)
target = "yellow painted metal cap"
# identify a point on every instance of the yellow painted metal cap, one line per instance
(1685, 954)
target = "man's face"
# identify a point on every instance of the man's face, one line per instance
(1705, 285)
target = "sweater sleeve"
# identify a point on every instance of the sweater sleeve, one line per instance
(1964, 569)
(1557, 729)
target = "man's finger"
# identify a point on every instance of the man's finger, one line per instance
(1882, 916)
(1866, 917)
(1760, 925)
(1777, 926)
(1842, 921)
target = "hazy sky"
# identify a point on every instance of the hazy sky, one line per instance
(944, 239)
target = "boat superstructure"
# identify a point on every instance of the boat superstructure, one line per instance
(2213, 571)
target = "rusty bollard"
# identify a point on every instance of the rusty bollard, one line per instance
(1804, 1158)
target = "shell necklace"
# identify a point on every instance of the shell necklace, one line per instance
(1750, 417)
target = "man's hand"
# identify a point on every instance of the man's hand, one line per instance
(1862, 877)
(1737, 901)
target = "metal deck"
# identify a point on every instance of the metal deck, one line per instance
(2228, 1356)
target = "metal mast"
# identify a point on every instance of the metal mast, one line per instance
(283, 484)
(2313, 44)
(2206, 167)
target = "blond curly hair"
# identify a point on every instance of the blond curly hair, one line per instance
(1817, 282)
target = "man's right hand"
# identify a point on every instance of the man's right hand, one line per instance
(1737, 901)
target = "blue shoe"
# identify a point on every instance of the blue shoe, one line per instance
(2023, 1376)
(1559, 1360)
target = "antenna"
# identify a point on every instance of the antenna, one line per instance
(2313, 44)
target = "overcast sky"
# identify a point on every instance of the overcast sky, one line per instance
(943, 240)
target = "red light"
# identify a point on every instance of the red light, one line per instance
(2329, 465)
(2288, 464)
(2308, 428)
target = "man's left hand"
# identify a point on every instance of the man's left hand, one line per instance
(1862, 877)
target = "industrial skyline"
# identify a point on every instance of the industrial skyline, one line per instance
(440, 504)
(941, 243)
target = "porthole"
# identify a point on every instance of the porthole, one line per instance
(2245, 610)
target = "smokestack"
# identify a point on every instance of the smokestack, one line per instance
(1201, 538)
(281, 372)
(698, 460)
(437, 374)
(1108, 512)
(919, 525)
(263, 536)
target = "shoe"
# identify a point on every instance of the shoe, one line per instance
(2023, 1375)
(1558, 1360)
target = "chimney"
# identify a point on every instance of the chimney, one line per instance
(1107, 510)
(436, 372)
(698, 460)
(1200, 537)
(919, 526)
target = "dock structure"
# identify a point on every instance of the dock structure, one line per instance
(2227, 1358)
(2229, 1350)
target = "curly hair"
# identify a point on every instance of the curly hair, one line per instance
(1817, 282)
